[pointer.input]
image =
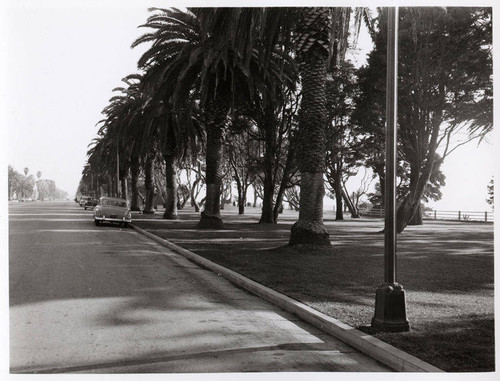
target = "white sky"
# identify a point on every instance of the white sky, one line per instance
(61, 68)
(64, 58)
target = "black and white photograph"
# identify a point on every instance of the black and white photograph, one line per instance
(206, 190)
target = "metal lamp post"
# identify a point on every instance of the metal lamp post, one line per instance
(390, 301)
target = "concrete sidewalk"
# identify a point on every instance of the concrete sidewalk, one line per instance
(391, 357)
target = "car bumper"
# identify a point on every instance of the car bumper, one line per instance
(109, 219)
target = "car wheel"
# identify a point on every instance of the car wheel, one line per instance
(125, 224)
(85, 208)
(97, 222)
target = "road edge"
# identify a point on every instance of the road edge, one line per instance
(386, 354)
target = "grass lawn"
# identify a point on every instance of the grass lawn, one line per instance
(446, 269)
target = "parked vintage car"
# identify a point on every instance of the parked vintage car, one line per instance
(91, 204)
(83, 200)
(111, 209)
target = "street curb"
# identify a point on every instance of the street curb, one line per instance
(384, 353)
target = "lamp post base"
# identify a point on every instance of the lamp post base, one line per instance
(390, 309)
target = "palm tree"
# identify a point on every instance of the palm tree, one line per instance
(141, 134)
(186, 69)
(193, 65)
(14, 179)
(136, 126)
(111, 133)
(177, 134)
(312, 28)
(135, 142)
(174, 32)
(178, 62)
(125, 126)
(321, 43)
(101, 158)
(149, 184)
(320, 40)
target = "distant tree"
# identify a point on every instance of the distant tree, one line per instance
(194, 174)
(375, 198)
(14, 182)
(226, 194)
(38, 186)
(42, 189)
(362, 190)
(27, 186)
(242, 152)
(342, 156)
(258, 190)
(292, 197)
(403, 187)
(26, 170)
(60, 194)
(183, 194)
(275, 163)
(491, 194)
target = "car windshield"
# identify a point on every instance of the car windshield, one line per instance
(121, 204)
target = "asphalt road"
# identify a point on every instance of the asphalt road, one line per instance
(87, 299)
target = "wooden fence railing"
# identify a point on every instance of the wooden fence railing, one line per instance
(458, 215)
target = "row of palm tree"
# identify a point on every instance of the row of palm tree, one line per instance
(205, 65)
(215, 73)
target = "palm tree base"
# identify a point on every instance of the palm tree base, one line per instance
(309, 233)
(169, 216)
(210, 222)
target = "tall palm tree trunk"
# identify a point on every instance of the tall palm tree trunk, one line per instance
(171, 191)
(242, 190)
(339, 213)
(309, 229)
(267, 216)
(269, 164)
(124, 187)
(216, 114)
(111, 186)
(149, 185)
(134, 174)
